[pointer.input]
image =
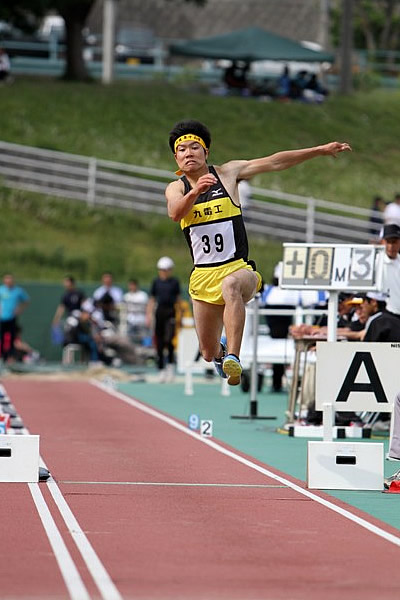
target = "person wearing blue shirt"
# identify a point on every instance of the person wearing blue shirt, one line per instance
(13, 301)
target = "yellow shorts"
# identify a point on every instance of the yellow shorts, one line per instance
(206, 282)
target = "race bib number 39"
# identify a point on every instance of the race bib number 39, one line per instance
(213, 242)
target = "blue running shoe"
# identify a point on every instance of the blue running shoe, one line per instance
(232, 368)
(218, 362)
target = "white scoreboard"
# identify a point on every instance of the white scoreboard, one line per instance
(332, 267)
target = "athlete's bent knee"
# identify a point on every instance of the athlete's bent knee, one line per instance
(210, 351)
(207, 355)
(231, 288)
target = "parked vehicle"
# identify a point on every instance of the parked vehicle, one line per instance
(17, 42)
(135, 45)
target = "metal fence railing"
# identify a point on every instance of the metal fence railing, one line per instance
(274, 214)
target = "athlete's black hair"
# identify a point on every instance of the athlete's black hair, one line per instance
(189, 126)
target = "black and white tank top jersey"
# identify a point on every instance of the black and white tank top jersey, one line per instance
(214, 228)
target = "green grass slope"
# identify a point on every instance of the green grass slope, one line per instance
(43, 239)
(130, 121)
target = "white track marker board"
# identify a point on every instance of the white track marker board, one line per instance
(357, 376)
(19, 458)
(345, 466)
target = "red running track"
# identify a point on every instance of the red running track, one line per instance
(160, 541)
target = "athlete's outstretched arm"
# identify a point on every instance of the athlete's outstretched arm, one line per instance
(289, 158)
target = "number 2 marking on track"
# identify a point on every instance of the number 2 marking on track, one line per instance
(206, 427)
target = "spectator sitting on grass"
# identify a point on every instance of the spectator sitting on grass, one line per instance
(319, 91)
(80, 329)
(23, 352)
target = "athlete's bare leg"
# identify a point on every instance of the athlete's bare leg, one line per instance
(237, 289)
(208, 319)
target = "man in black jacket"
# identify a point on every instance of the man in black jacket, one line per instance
(381, 326)
(163, 304)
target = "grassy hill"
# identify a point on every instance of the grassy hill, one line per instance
(129, 122)
(43, 239)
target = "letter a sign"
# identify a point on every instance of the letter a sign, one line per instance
(362, 376)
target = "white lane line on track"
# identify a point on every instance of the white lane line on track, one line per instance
(103, 581)
(389, 537)
(69, 572)
(175, 484)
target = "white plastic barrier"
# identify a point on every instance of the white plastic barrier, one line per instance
(19, 458)
(345, 465)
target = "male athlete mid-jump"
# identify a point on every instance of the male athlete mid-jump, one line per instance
(206, 202)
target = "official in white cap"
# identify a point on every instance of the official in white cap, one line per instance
(381, 326)
(162, 308)
(165, 263)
